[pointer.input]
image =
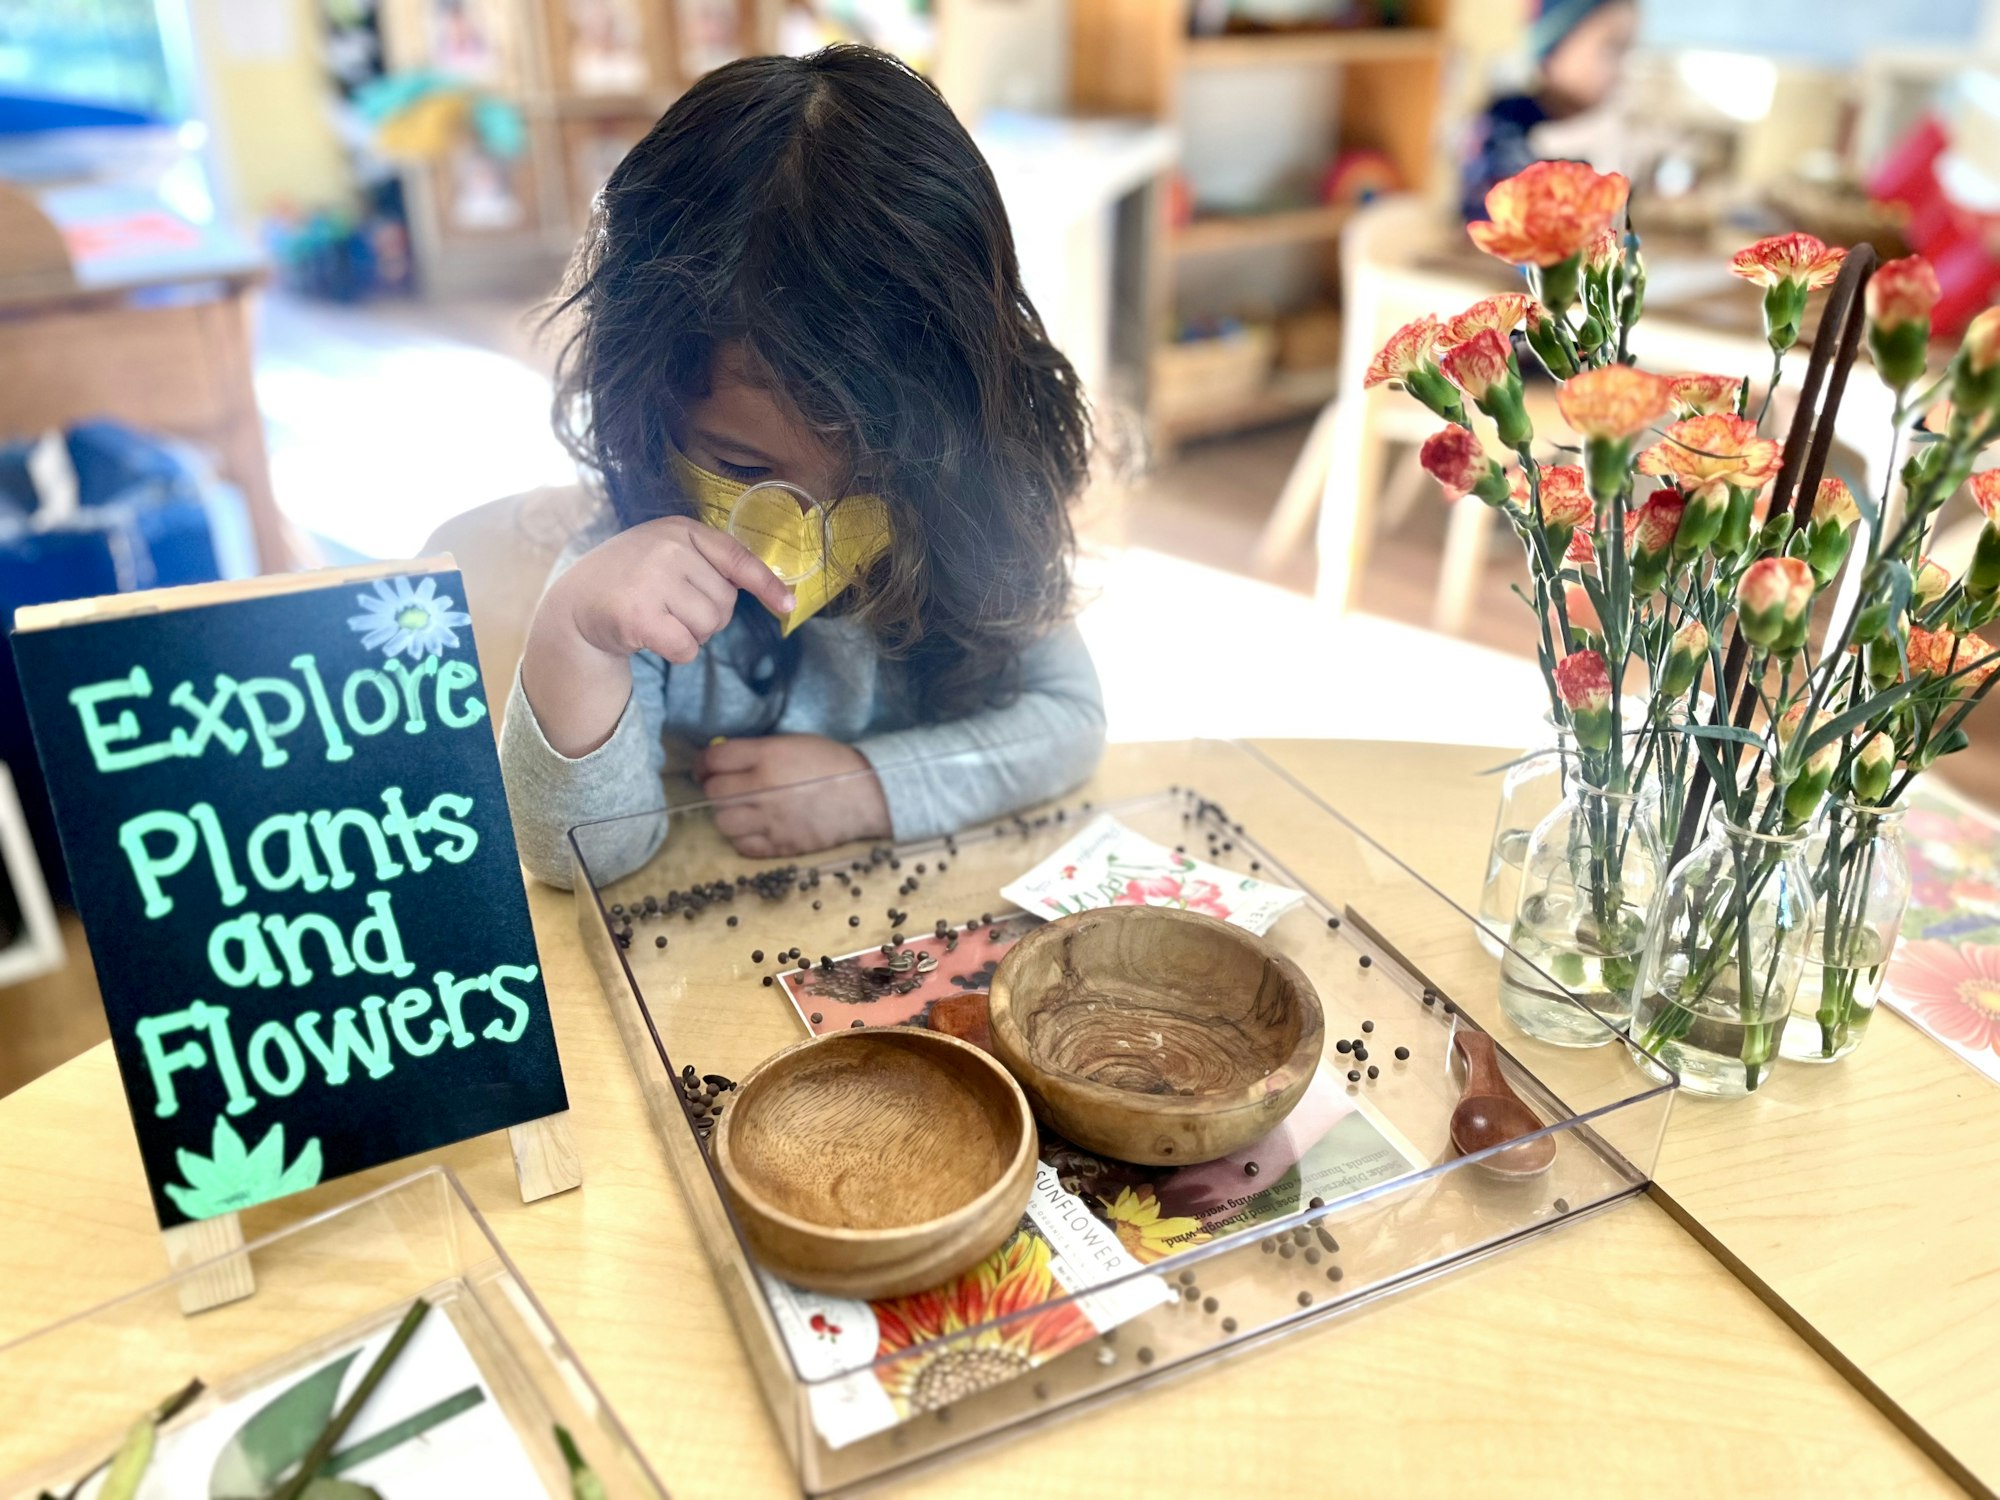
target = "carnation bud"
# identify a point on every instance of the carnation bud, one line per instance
(1584, 684)
(1975, 369)
(1685, 659)
(1874, 764)
(1771, 598)
(1900, 297)
(1452, 456)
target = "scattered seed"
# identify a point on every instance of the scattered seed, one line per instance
(733, 921)
(1305, 1299)
(1334, 1273)
(854, 921)
(660, 941)
(1343, 1046)
(756, 955)
(1300, 1236)
(1190, 1294)
(1229, 1325)
(1326, 1241)
(1145, 1355)
(1332, 923)
(1312, 1257)
(1354, 1075)
(1317, 1203)
(856, 1025)
(817, 1018)
(1287, 1250)
(1402, 1054)
(1373, 1071)
(1270, 1247)
(1209, 1304)
(1562, 1205)
(1366, 961)
(1249, 1169)
(768, 981)
(1367, 1028)
(1187, 1278)
(1041, 1390)
(817, 905)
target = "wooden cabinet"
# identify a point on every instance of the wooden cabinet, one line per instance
(1362, 88)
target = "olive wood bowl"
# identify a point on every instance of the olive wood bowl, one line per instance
(1155, 1035)
(878, 1162)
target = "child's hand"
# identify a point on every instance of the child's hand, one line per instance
(791, 822)
(665, 586)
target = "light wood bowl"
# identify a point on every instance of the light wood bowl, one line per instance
(1154, 1035)
(874, 1163)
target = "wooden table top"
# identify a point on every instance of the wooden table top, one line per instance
(1625, 1354)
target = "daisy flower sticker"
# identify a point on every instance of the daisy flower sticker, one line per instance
(406, 620)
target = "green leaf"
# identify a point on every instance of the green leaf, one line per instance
(278, 1435)
(1869, 708)
(1728, 732)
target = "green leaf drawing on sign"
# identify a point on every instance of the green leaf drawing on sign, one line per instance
(280, 1434)
(233, 1176)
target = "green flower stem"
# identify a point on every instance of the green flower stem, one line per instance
(322, 1449)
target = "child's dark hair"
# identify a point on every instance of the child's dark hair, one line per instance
(832, 215)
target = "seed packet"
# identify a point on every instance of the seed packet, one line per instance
(1107, 864)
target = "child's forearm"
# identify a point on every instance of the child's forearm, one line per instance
(577, 692)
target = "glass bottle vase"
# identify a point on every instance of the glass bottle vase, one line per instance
(1590, 880)
(1529, 792)
(1860, 887)
(1724, 959)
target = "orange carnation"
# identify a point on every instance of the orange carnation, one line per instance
(1411, 347)
(1613, 402)
(1564, 502)
(1700, 453)
(1502, 313)
(1703, 395)
(1803, 259)
(1480, 363)
(1550, 211)
(1985, 495)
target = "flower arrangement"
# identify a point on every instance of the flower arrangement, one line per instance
(1772, 633)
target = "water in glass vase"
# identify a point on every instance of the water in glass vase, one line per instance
(1835, 1002)
(1708, 1042)
(1593, 966)
(1501, 893)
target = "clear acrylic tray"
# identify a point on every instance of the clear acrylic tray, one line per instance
(321, 1286)
(1396, 966)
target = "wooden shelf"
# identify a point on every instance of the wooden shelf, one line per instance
(1289, 393)
(1252, 49)
(1241, 231)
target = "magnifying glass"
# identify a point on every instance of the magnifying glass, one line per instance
(784, 526)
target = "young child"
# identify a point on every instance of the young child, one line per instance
(1579, 48)
(804, 273)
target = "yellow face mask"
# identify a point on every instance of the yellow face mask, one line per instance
(817, 552)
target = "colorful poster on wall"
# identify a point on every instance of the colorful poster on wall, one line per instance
(281, 806)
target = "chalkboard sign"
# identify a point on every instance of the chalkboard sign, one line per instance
(281, 806)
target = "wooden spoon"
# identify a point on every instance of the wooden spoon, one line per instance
(1489, 1113)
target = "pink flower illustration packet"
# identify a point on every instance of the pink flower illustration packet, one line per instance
(1107, 864)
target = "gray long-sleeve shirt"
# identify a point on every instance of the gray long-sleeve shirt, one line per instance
(935, 777)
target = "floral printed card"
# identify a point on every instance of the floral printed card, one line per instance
(1945, 975)
(1107, 864)
(850, 1348)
